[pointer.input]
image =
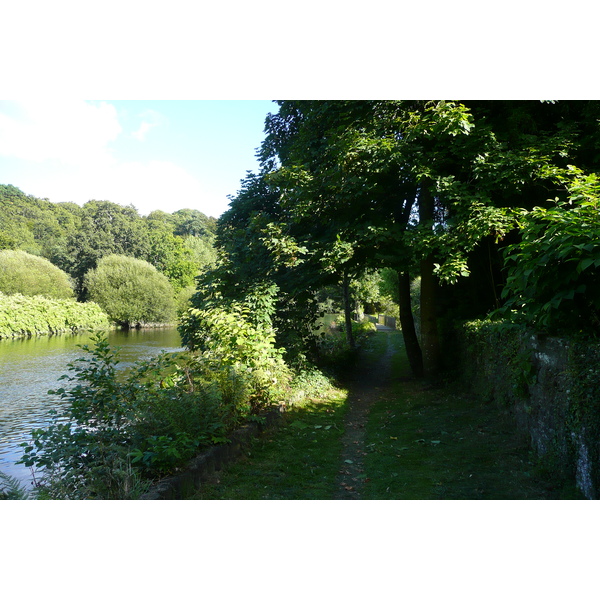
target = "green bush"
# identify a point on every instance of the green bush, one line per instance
(553, 278)
(25, 316)
(359, 329)
(238, 352)
(131, 291)
(183, 299)
(121, 431)
(23, 273)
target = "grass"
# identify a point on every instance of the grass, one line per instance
(442, 444)
(422, 442)
(439, 442)
(297, 461)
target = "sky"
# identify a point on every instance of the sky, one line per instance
(157, 155)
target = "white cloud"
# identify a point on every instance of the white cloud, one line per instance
(151, 120)
(156, 185)
(140, 134)
(72, 132)
(64, 154)
(153, 185)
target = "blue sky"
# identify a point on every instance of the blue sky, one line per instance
(162, 155)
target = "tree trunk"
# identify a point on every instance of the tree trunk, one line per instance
(348, 310)
(429, 331)
(407, 323)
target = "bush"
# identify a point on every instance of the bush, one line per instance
(232, 347)
(553, 278)
(24, 315)
(29, 275)
(120, 431)
(131, 291)
(183, 299)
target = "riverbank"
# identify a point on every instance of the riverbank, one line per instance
(25, 316)
(32, 365)
(385, 436)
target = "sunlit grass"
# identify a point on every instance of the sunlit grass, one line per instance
(297, 461)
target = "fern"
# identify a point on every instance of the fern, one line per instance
(11, 488)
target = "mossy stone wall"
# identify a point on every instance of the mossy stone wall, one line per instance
(552, 386)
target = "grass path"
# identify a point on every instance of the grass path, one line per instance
(368, 384)
(386, 436)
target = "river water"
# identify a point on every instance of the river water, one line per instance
(32, 366)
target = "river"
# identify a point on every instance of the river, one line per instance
(30, 367)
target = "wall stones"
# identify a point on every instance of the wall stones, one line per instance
(535, 376)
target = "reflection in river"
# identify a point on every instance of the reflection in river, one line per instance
(30, 367)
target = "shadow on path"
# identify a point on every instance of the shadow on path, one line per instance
(369, 384)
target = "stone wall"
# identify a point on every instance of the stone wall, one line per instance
(540, 379)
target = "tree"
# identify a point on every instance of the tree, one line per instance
(417, 186)
(170, 255)
(7, 242)
(23, 273)
(106, 228)
(131, 291)
(431, 189)
(188, 221)
(34, 225)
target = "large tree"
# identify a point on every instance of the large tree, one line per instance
(419, 186)
(427, 188)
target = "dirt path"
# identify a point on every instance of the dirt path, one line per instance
(368, 386)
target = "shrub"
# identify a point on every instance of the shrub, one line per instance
(131, 291)
(24, 315)
(234, 349)
(553, 278)
(29, 275)
(119, 431)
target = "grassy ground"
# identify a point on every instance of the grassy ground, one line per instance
(420, 442)
(296, 461)
(438, 442)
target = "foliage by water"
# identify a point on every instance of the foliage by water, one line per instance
(12, 489)
(131, 291)
(120, 432)
(24, 273)
(36, 315)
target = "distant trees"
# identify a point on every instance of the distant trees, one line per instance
(106, 228)
(75, 238)
(131, 291)
(29, 275)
